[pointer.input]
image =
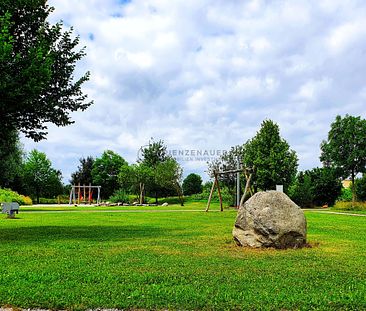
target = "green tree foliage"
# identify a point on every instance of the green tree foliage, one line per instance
(345, 149)
(40, 178)
(168, 175)
(192, 184)
(105, 172)
(37, 63)
(11, 159)
(126, 178)
(154, 156)
(271, 158)
(301, 191)
(119, 196)
(83, 175)
(227, 197)
(360, 188)
(316, 187)
(346, 195)
(326, 185)
(7, 195)
(136, 179)
(154, 153)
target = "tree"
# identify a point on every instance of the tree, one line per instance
(301, 191)
(360, 188)
(326, 186)
(153, 153)
(37, 62)
(83, 175)
(155, 157)
(270, 157)
(169, 175)
(11, 155)
(345, 149)
(136, 179)
(40, 177)
(316, 187)
(192, 184)
(105, 172)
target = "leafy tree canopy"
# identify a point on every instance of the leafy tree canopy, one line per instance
(360, 188)
(192, 184)
(326, 186)
(136, 178)
(271, 157)
(316, 187)
(154, 153)
(301, 190)
(37, 63)
(167, 172)
(105, 172)
(40, 178)
(11, 155)
(83, 175)
(168, 175)
(345, 149)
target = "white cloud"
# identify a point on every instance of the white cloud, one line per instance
(346, 36)
(311, 89)
(204, 74)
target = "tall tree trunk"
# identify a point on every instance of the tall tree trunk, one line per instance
(142, 186)
(180, 194)
(353, 188)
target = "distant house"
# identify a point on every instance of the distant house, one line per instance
(346, 183)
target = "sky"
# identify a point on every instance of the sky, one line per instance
(203, 75)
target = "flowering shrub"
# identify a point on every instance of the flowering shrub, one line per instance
(7, 195)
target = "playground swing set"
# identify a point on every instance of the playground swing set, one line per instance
(84, 194)
(248, 176)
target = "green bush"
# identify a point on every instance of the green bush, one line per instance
(119, 196)
(47, 201)
(347, 206)
(300, 191)
(360, 188)
(227, 198)
(315, 187)
(346, 195)
(192, 184)
(7, 195)
(169, 200)
(61, 199)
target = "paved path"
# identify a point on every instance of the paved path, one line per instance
(119, 211)
(336, 213)
(321, 211)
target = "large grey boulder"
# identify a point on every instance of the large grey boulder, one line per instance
(270, 219)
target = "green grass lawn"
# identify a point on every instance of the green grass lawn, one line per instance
(176, 261)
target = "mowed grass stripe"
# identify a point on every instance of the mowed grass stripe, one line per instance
(176, 261)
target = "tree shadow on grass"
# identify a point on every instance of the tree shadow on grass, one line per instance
(91, 233)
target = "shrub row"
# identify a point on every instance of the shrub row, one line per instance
(7, 195)
(347, 206)
(61, 199)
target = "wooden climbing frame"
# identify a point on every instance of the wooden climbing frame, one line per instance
(248, 175)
